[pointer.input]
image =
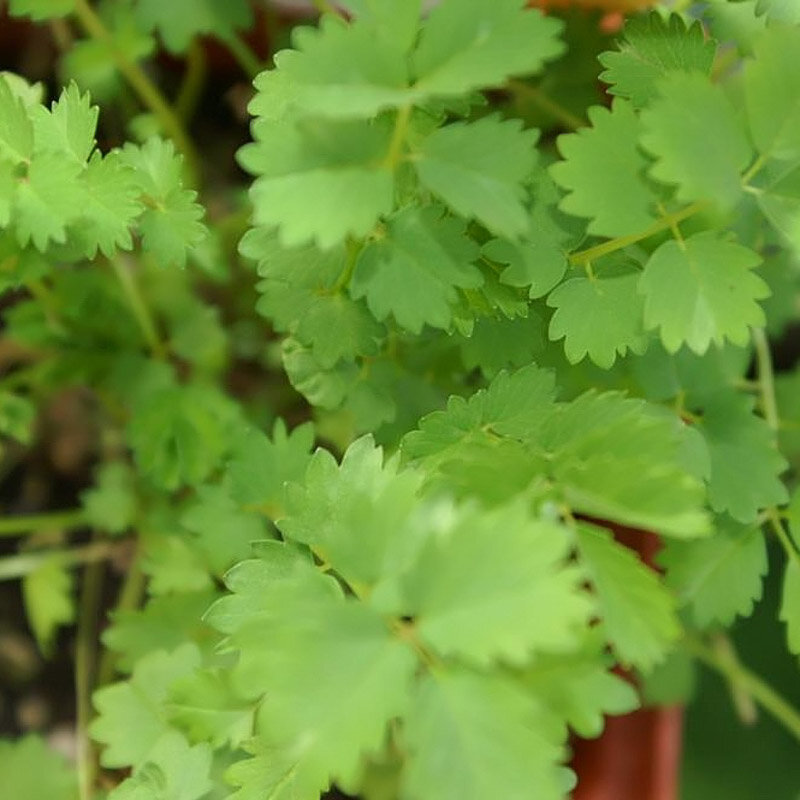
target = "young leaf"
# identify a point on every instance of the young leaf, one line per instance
(49, 604)
(697, 139)
(719, 577)
(16, 128)
(652, 48)
(68, 127)
(413, 272)
(701, 291)
(473, 736)
(745, 462)
(132, 715)
(517, 568)
(638, 614)
(772, 93)
(471, 44)
(603, 171)
(599, 316)
(478, 168)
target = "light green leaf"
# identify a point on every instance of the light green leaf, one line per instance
(719, 577)
(413, 273)
(273, 774)
(31, 770)
(391, 21)
(517, 569)
(745, 461)
(779, 10)
(476, 736)
(772, 93)
(652, 48)
(638, 614)
(41, 9)
(16, 128)
(17, 416)
(478, 168)
(538, 262)
(701, 291)
(603, 171)
(473, 44)
(68, 128)
(599, 316)
(697, 139)
(132, 715)
(111, 504)
(49, 604)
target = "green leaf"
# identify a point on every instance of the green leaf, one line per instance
(497, 344)
(697, 139)
(719, 577)
(772, 93)
(17, 417)
(391, 21)
(779, 10)
(132, 715)
(41, 9)
(174, 771)
(68, 128)
(473, 44)
(701, 291)
(779, 201)
(261, 466)
(49, 604)
(638, 614)
(603, 171)
(413, 273)
(745, 461)
(111, 504)
(344, 70)
(170, 225)
(179, 21)
(475, 736)
(790, 605)
(16, 128)
(599, 316)
(517, 569)
(273, 774)
(305, 171)
(652, 48)
(31, 770)
(537, 262)
(362, 494)
(477, 169)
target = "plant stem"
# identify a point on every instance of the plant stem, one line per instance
(766, 378)
(12, 567)
(245, 57)
(30, 523)
(139, 308)
(141, 84)
(739, 675)
(788, 545)
(619, 243)
(546, 103)
(395, 150)
(85, 657)
(193, 79)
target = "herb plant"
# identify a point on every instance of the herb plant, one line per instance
(511, 297)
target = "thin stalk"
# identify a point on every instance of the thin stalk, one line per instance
(766, 378)
(546, 103)
(129, 598)
(774, 518)
(755, 168)
(141, 84)
(193, 79)
(139, 307)
(30, 523)
(85, 663)
(395, 151)
(612, 245)
(737, 674)
(13, 567)
(245, 56)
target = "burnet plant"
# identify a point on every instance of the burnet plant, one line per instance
(517, 328)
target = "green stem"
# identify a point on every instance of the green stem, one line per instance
(193, 79)
(754, 169)
(766, 378)
(612, 245)
(245, 57)
(13, 567)
(325, 7)
(130, 595)
(30, 523)
(139, 308)
(85, 658)
(739, 675)
(774, 517)
(546, 103)
(395, 151)
(146, 90)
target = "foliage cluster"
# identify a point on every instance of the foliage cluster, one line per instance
(518, 310)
